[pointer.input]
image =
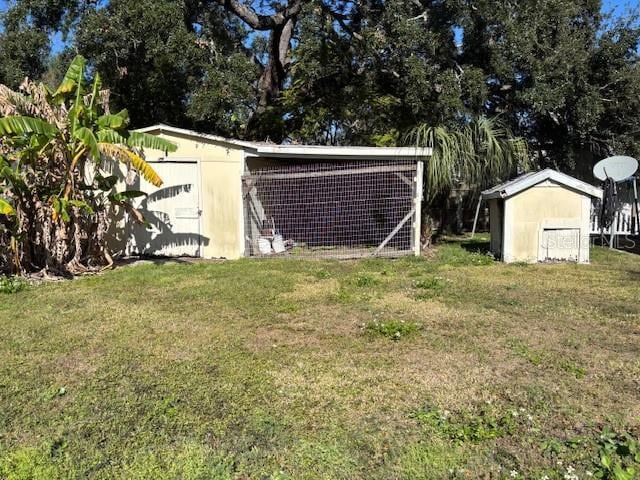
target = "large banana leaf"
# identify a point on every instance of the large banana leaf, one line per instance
(110, 121)
(21, 125)
(117, 121)
(73, 77)
(128, 157)
(126, 195)
(145, 140)
(111, 136)
(6, 208)
(95, 90)
(88, 139)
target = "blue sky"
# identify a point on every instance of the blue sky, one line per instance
(616, 6)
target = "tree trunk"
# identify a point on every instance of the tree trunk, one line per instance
(271, 82)
(280, 26)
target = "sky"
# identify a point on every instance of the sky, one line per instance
(617, 7)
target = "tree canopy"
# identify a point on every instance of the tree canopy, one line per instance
(561, 73)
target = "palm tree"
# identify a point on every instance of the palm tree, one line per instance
(479, 153)
(57, 176)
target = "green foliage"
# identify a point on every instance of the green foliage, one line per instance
(393, 329)
(28, 464)
(11, 284)
(477, 154)
(431, 283)
(365, 280)
(484, 424)
(50, 138)
(561, 73)
(619, 456)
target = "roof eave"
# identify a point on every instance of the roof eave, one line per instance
(341, 153)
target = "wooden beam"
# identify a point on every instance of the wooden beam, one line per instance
(332, 173)
(395, 231)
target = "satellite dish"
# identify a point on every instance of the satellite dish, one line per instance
(617, 168)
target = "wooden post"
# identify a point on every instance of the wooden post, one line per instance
(417, 224)
(475, 219)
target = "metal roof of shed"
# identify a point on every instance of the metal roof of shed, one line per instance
(270, 150)
(528, 180)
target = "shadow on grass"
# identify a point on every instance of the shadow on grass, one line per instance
(476, 246)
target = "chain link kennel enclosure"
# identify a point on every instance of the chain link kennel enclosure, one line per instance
(345, 209)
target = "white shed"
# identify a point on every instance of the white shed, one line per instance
(226, 198)
(541, 216)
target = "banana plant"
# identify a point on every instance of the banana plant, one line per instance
(59, 146)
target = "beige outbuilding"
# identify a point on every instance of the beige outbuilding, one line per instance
(541, 216)
(226, 198)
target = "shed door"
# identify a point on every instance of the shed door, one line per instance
(172, 211)
(560, 244)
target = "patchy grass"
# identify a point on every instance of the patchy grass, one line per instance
(260, 369)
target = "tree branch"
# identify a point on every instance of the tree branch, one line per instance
(258, 21)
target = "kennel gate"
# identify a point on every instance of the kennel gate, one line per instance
(345, 209)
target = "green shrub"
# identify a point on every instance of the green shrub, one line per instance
(11, 284)
(393, 329)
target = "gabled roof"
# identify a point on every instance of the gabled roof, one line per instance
(528, 180)
(269, 150)
(162, 128)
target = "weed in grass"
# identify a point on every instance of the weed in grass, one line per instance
(522, 350)
(572, 368)
(342, 296)
(11, 284)
(365, 280)
(28, 463)
(607, 454)
(287, 307)
(321, 274)
(484, 424)
(393, 329)
(54, 392)
(431, 283)
(539, 358)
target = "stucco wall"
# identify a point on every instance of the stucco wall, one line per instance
(221, 168)
(546, 205)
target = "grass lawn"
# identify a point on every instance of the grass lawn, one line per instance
(450, 367)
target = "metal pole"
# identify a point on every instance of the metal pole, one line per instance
(635, 202)
(475, 219)
(612, 234)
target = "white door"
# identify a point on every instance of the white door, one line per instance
(172, 211)
(560, 244)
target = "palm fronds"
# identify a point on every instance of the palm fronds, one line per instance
(476, 154)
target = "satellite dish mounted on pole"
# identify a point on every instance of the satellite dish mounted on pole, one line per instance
(611, 171)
